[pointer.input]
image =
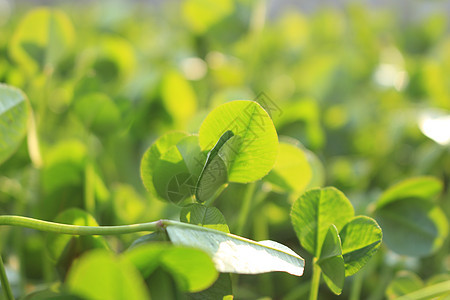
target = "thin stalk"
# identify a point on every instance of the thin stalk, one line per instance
(245, 209)
(216, 195)
(315, 282)
(357, 283)
(80, 230)
(89, 189)
(5, 283)
(428, 292)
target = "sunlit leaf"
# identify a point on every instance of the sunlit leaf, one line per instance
(13, 120)
(314, 212)
(235, 254)
(206, 216)
(99, 275)
(256, 152)
(317, 169)
(291, 172)
(179, 98)
(192, 269)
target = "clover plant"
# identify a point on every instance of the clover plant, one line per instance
(237, 143)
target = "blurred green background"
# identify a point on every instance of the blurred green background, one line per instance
(365, 85)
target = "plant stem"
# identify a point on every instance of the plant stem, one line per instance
(5, 283)
(79, 230)
(315, 281)
(357, 283)
(89, 189)
(245, 209)
(219, 191)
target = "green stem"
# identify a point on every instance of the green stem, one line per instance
(216, 195)
(5, 283)
(246, 204)
(80, 230)
(357, 283)
(89, 192)
(315, 282)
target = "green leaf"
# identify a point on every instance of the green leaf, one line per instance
(418, 187)
(235, 254)
(42, 37)
(13, 120)
(154, 153)
(331, 261)
(215, 171)
(179, 98)
(164, 172)
(192, 269)
(64, 164)
(206, 216)
(291, 172)
(256, 152)
(193, 157)
(331, 245)
(200, 15)
(99, 275)
(412, 226)
(404, 283)
(65, 248)
(361, 238)
(314, 212)
(317, 170)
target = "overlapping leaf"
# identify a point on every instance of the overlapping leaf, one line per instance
(192, 269)
(235, 254)
(257, 150)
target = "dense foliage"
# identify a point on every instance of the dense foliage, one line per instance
(124, 113)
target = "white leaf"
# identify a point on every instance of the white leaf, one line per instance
(235, 254)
